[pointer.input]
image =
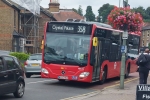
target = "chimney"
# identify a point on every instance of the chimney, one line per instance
(54, 6)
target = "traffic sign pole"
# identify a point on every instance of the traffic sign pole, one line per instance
(123, 60)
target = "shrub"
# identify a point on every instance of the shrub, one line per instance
(20, 56)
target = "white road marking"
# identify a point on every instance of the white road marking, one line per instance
(41, 81)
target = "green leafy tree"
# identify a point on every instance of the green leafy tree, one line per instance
(104, 11)
(148, 11)
(90, 16)
(149, 45)
(75, 10)
(80, 10)
(142, 11)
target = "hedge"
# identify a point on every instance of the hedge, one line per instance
(20, 56)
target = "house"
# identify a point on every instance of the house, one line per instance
(9, 27)
(20, 30)
(62, 14)
(145, 36)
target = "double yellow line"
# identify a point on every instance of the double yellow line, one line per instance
(118, 83)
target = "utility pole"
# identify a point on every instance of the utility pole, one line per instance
(119, 3)
(124, 50)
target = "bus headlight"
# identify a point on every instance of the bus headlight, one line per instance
(84, 74)
(45, 71)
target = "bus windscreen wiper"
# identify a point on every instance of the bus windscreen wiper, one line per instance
(72, 60)
(53, 61)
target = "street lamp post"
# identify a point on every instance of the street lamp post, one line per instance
(124, 49)
(119, 3)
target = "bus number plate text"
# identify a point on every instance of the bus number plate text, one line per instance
(62, 77)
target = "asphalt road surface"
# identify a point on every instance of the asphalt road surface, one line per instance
(49, 89)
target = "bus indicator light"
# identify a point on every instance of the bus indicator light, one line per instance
(62, 68)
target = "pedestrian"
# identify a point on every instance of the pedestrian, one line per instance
(144, 68)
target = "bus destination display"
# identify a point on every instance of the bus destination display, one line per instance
(69, 28)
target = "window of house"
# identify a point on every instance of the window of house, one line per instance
(1, 65)
(20, 22)
(14, 18)
(147, 44)
(143, 34)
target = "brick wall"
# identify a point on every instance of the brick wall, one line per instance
(7, 25)
(145, 38)
(42, 23)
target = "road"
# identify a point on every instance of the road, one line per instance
(49, 89)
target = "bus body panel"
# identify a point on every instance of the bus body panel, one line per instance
(55, 71)
(113, 69)
(132, 64)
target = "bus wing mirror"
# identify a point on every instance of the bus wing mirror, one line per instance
(42, 44)
(95, 41)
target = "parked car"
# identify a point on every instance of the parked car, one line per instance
(33, 65)
(11, 76)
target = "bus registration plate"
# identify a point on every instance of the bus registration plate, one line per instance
(62, 77)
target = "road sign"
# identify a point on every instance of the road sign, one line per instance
(123, 49)
(125, 35)
(143, 92)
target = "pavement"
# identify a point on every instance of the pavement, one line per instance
(113, 92)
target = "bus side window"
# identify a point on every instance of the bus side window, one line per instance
(92, 58)
(114, 52)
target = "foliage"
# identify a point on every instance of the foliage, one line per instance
(142, 11)
(20, 56)
(80, 11)
(149, 45)
(75, 10)
(90, 16)
(122, 18)
(147, 20)
(104, 11)
(148, 11)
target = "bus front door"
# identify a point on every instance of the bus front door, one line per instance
(97, 54)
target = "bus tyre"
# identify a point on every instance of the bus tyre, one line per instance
(104, 76)
(127, 72)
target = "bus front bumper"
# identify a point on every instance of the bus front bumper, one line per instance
(79, 76)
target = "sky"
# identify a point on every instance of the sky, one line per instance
(96, 4)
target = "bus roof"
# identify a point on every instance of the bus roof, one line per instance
(88, 23)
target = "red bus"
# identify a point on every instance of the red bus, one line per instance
(84, 51)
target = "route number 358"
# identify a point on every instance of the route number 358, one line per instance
(81, 29)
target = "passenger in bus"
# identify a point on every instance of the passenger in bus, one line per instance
(144, 69)
(84, 51)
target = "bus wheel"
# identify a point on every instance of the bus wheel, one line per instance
(104, 76)
(127, 71)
